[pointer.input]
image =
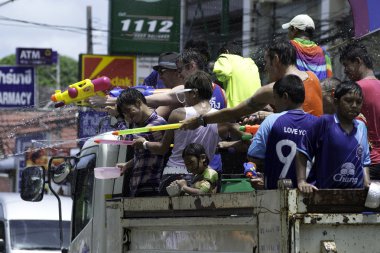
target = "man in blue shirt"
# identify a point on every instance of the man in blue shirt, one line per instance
(339, 144)
(275, 144)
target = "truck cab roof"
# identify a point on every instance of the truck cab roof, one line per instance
(12, 207)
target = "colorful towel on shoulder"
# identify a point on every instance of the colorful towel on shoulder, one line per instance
(312, 57)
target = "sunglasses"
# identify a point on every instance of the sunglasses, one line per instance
(161, 71)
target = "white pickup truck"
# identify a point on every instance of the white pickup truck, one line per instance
(283, 220)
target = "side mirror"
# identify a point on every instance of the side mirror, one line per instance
(61, 172)
(32, 183)
(2, 245)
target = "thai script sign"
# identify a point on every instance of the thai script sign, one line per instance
(17, 86)
(91, 123)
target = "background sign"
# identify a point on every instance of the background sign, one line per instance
(120, 69)
(366, 16)
(91, 123)
(23, 144)
(144, 27)
(35, 56)
(17, 86)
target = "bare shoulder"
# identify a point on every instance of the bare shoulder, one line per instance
(305, 75)
(177, 115)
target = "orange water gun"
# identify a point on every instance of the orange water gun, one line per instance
(80, 91)
(250, 131)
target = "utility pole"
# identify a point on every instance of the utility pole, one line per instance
(89, 30)
(225, 20)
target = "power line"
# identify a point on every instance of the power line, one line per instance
(6, 2)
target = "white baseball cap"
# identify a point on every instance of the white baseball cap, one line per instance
(301, 22)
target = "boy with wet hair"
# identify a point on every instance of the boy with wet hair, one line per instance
(196, 162)
(146, 167)
(274, 146)
(339, 144)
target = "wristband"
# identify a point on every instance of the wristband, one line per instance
(201, 121)
(144, 145)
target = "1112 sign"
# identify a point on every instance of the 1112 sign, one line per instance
(152, 29)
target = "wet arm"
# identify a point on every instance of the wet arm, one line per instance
(164, 99)
(303, 186)
(259, 100)
(162, 147)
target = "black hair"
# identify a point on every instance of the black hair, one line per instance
(35, 155)
(201, 81)
(195, 149)
(308, 32)
(200, 46)
(293, 86)
(285, 51)
(129, 96)
(345, 87)
(231, 47)
(190, 55)
(356, 50)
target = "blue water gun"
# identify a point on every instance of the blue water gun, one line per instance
(250, 169)
(145, 90)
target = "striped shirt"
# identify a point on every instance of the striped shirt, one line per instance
(312, 57)
(147, 169)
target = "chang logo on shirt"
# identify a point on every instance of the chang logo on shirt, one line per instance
(359, 151)
(346, 174)
(214, 104)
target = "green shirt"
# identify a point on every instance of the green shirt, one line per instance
(240, 77)
(206, 182)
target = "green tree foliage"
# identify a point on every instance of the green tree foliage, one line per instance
(46, 76)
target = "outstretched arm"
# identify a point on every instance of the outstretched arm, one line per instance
(262, 97)
(164, 99)
(160, 148)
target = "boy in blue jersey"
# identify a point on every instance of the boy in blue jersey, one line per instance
(339, 144)
(275, 144)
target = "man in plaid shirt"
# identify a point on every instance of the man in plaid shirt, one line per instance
(146, 167)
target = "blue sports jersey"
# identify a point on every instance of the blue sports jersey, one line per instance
(276, 143)
(218, 100)
(339, 157)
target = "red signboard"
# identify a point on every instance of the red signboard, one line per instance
(120, 69)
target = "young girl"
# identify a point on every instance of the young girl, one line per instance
(196, 162)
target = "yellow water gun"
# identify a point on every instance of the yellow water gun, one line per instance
(80, 91)
(148, 129)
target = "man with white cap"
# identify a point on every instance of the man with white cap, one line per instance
(310, 56)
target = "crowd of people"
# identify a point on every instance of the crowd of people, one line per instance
(316, 130)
